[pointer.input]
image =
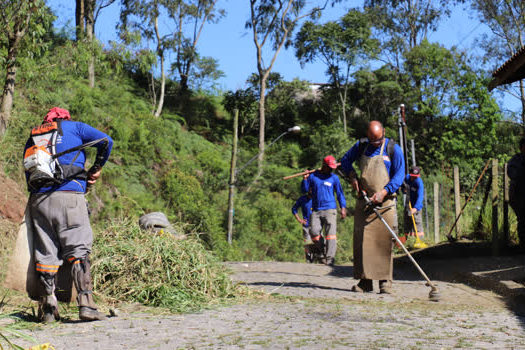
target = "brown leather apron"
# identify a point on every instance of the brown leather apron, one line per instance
(372, 240)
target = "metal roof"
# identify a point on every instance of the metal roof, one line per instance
(511, 71)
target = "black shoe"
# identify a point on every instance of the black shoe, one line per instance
(329, 262)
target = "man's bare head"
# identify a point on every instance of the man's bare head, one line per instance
(375, 133)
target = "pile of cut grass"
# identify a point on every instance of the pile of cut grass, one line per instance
(132, 265)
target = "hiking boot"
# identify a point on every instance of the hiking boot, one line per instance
(86, 313)
(329, 262)
(385, 287)
(364, 286)
(48, 309)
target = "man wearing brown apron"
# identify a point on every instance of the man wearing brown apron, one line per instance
(382, 173)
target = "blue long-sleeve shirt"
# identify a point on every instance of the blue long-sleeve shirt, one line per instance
(416, 191)
(76, 134)
(323, 187)
(395, 166)
(305, 204)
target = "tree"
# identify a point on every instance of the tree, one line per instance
(245, 101)
(340, 45)
(189, 18)
(506, 20)
(86, 14)
(375, 94)
(403, 24)
(16, 20)
(272, 23)
(451, 112)
(140, 19)
(205, 73)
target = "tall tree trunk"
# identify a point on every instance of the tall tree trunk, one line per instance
(7, 97)
(79, 19)
(90, 29)
(160, 53)
(6, 104)
(184, 84)
(262, 122)
(162, 86)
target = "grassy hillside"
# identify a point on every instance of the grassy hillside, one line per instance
(158, 164)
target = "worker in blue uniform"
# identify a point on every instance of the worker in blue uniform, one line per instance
(325, 187)
(57, 207)
(414, 188)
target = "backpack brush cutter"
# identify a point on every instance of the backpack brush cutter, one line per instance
(434, 294)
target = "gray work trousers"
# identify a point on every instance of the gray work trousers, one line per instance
(327, 220)
(61, 228)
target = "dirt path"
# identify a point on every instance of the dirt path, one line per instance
(316, 310)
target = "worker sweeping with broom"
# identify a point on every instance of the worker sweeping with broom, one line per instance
(415, 190)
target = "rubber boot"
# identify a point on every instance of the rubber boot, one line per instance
(48, 305)
(87, 309)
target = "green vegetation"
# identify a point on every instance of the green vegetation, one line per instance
(157, 270)
(178, 162)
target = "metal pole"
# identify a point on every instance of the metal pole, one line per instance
(232, 176)
(413, 150)
(400, 122)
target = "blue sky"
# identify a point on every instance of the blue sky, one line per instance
(233, 46)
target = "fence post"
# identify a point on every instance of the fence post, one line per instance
(457, 201)
(436, 212)
(506, 182)
(231, 191)
(495, 233)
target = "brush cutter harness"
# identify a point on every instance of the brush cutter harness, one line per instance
(41, 160)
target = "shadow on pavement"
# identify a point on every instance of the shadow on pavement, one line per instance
(296, 285)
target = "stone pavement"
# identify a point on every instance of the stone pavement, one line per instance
(474, 265)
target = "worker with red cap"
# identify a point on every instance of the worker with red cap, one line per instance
(54, 160)
(324, 187)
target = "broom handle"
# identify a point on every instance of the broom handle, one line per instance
(303, 173)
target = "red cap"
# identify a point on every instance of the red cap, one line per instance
(330, 161)
(57, 113)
